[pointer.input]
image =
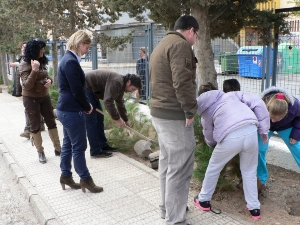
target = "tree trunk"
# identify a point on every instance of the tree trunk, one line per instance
(54, 61)
(205, 66)
(4, 68)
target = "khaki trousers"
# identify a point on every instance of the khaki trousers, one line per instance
(176, 160)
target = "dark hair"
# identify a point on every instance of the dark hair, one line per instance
(134, 79)
(32, 51)
(186, 22)
(231, 85)
(206, 87)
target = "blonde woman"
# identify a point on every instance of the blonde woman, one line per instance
(71, 106)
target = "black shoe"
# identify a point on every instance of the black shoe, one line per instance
(109, 148)
(102, 155)
(57, 153)
(42, 157)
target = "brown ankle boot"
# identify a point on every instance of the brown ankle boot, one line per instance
(90, 185)
(68, 181)
(25, 134)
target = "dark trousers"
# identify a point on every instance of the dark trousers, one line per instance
(95, 126)
(27, 124)
(74, 144)
(34, 108)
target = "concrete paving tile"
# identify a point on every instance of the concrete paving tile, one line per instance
(142, 183)
(148, 218)
(119, 172)
(112, 192)
(132, 206)
(152, 196)
(89, 215)
(103, 164)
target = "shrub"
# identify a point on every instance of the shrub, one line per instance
(10, 87)
(53, 95)
(123, 139)
(50, 72)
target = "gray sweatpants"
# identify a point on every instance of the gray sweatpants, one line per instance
(242, 141)
(176, 160)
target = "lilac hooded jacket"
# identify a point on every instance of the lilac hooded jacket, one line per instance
(222, 113)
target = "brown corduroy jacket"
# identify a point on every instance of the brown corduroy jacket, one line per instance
(173, 78)
(110, 87)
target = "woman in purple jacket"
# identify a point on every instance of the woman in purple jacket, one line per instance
(284, 110)
(230, 122)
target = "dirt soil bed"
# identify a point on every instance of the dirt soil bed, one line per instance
(280, 203)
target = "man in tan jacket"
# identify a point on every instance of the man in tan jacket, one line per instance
(110, 87)
(173, 106)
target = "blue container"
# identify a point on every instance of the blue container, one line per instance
(250, 61)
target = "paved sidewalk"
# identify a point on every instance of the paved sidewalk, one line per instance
(131, 190)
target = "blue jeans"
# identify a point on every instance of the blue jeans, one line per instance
(74, 144)
(95, 126)
(262, 171)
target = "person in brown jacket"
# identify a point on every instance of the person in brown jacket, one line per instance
(173, 106)
(110, 87)
(36, 99)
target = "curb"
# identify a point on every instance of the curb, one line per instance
(41, 210)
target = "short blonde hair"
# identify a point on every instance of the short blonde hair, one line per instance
(278, 105)
(79, 36)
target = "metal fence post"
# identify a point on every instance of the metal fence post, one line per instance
(275, 55)
(94, 54)
(263, 69)
(268, 70)
(149, 49)
(61, 49)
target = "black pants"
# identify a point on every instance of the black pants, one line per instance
(142, 91)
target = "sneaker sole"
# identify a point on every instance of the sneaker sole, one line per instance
(197, 204)
(253, 217)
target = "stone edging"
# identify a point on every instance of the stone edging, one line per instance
(43, 213)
